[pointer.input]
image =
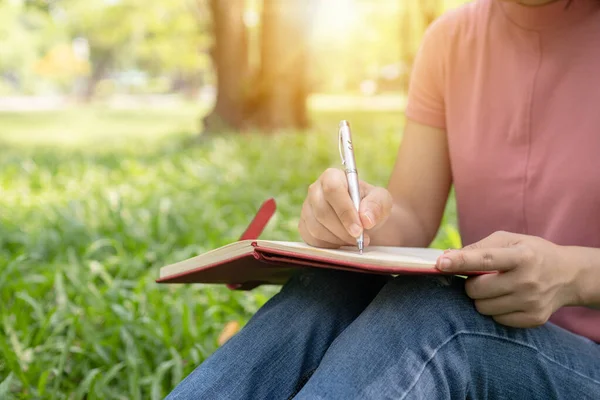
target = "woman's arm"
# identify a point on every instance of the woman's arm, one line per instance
(419, 185)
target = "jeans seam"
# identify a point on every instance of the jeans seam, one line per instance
(457, 334)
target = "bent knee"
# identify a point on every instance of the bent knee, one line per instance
(429, 300)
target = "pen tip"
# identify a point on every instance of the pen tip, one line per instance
(360, 251)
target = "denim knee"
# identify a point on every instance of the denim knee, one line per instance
(430, 300)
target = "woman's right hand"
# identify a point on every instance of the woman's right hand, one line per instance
(329, 218)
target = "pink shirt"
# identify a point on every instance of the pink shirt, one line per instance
(518, 90)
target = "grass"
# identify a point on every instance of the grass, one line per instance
(93, 202)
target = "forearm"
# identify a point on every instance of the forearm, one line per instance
(419, 185)
(402, 228)
(587, 280)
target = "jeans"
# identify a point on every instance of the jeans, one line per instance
(342, 335)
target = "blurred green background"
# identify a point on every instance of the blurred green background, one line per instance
(139, 133)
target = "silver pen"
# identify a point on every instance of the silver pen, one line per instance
(347, 155)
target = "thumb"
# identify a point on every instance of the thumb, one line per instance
(375, 207)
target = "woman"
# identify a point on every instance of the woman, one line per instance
(504, 103)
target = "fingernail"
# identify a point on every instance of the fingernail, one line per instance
(367, 240)
(444, 263)
(355, 230)
(370, 218)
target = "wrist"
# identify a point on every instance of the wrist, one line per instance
(386, 233)
(402, 228)
(586, 275)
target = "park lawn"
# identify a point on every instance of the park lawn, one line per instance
(93, 202)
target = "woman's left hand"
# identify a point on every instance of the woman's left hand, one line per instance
(532, 282)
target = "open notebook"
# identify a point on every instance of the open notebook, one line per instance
(374, 258)
(250, 261)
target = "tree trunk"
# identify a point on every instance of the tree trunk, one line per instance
(100, 68)
(230, 60)
(278, 100)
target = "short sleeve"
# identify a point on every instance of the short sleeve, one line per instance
(426, 89)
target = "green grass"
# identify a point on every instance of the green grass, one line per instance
(93, 202)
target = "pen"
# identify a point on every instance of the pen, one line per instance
(347, 155)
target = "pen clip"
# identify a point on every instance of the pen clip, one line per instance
(340, 145)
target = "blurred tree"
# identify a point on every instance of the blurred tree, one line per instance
(230, 59)
(26, 32)
(173, 39)
(107, 27)
(134, 35)
(61, 64)
(279, 97)
(260, 67)
(273, 96)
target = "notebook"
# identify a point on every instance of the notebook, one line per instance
(250, 262)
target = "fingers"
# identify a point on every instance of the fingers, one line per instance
(312, 240)
(329, 217)
(489, 286)
(511, 310)
(325, 228)
(521, 319)
(481, 259)
(375, 207)
(498, 306)
(334, 190)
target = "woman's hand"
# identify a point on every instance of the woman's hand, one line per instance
(534, 278)
(329, 218)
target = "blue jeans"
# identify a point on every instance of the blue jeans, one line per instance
(341, 335)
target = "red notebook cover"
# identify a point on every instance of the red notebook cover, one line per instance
(270, 266)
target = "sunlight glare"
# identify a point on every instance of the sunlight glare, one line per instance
(335, 19)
